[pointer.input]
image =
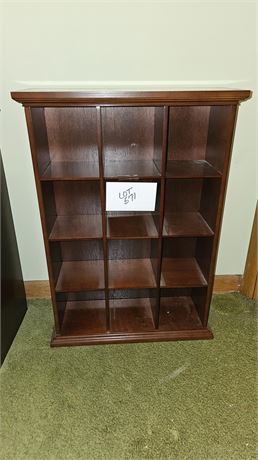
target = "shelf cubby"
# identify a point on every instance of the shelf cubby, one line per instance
(73, 209)
(132, 264)
(132, 142)
(78, 265)
(197, 144)
(82, 312)
(132, 225)
(132, 310)
(130, 276)
(184, 262)
(187, 206)
(181, 309)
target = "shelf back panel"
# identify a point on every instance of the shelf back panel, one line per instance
(75, 198)
(130, 133)
(72, 133)
(188, 131)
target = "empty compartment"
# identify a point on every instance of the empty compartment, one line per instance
(132, 141)
(198, 140)
(73, 210)
(188, 209)
(134, 224)
(132, 310)
(182, 309)
(82, 312)
(78, 265)
(185, 262)
(132, 264)
(66, 142)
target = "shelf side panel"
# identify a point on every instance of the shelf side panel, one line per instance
(42, 154)
(36, 116)
(221, 133)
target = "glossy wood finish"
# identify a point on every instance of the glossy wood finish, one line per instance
(137, 276)
(183, 272)
(186, 224)
(178, 313)
(125, 169)
(38, 289)
(131, 274)
(76, 227)
(84, 317)
(190, 168)
(80, 276)
(131, 315)
(70, 170)
(43, 98)
(203, 333)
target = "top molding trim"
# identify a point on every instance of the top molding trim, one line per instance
(108, 97)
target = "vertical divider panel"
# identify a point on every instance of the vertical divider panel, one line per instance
(33, 146)
(162, 207)
(103, 213)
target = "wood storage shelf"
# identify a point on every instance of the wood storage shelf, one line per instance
(137, 275)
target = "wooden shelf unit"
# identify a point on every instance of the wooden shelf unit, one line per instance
(140, 275)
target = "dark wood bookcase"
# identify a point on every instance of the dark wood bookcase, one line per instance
(139, 275)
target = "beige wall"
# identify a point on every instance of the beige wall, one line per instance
(187, 43)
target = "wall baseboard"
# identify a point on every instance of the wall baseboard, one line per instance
(223, 283)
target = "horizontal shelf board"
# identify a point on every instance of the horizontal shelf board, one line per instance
(71, 170)
(131, 315)
(131, 273)
(190, 169)
(84, 317)
(181, 272)
(141, 226)
(76, 227)
(186, 224)
(127, 169)
(81, 275)
(178, 313)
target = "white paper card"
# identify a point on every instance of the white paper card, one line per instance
(131, 196)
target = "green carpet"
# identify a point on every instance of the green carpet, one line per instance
(173, 400)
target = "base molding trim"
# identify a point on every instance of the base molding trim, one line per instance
(152, 336)
(223, 283)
